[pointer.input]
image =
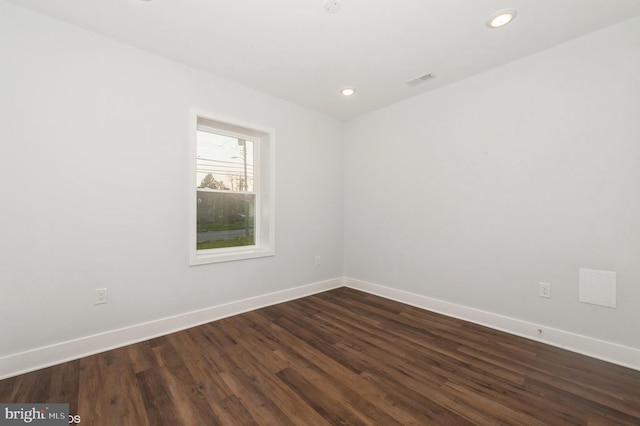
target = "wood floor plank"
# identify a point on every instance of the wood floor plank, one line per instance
(257, 403)
(92, 379)
(141, 356)
(186, 397)
(125, 398)
(356, 360)
(320, 368)
(421, 401)
(156, 399)
(493, 409)
(232, 412)
(338, 357)
(200, 363)
(65, 382)
(265, 379)
(332, 409)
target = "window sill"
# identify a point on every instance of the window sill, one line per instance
(203, 257)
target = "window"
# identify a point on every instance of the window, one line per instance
(232, 212)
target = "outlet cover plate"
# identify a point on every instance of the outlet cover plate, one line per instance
(544, 290)
(101, 296)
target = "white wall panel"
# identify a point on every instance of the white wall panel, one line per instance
(476, 192)
(93, 139)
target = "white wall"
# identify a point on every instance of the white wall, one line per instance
(475, 192)
(93, 179)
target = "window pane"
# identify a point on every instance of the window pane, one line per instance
(224, 162)
(224, 180)
(225, 219)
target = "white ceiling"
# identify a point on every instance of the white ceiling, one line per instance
(292, 49)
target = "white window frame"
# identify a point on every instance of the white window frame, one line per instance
(263, 186)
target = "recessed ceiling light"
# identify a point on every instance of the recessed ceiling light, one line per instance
(348, 91)
(501, 18)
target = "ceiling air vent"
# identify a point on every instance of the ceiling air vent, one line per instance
(421, 79)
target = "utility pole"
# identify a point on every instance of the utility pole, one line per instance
(243, 143)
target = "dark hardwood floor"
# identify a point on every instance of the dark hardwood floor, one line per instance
(340, 357)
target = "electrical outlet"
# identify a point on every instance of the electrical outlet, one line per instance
(317, 261)
(544, 290)
(101, 296)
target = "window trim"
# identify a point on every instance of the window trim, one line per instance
(264, 187)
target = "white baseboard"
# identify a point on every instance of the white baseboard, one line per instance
(35, 359)
(606, 351)
(46, 356)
